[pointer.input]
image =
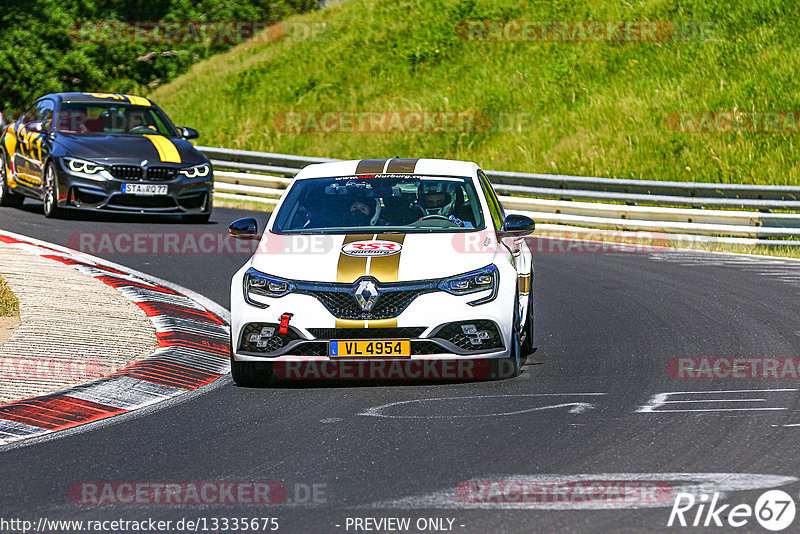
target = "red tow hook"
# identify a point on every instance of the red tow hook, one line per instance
(284, 328)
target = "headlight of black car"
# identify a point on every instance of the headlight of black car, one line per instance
(198, 171)
(483, 279)
(84, 166)
(258, 284)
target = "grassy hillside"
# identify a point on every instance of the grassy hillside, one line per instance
(600, 108)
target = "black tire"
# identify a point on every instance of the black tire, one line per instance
(196, 218)
(528, 328)
(512, 366)
(50, 197)
(7, 198)
(250, 374)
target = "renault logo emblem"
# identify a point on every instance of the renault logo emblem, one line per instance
(366, 294)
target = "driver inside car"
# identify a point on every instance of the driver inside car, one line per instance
(363, 211)
(439, 199)
(137, 120)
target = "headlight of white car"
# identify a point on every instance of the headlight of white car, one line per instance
(480, 280)
(258, 284)
(84, 166)
(197, 171)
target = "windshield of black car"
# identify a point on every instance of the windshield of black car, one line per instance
(111, 119)
(380, 203)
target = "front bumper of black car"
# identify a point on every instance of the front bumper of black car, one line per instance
(96, 192)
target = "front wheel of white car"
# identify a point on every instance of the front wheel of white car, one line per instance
(250, 374)
(512, 366)
(527, 344)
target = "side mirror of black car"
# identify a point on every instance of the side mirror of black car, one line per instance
(244, 229)
(517, 226)
(188, 133)
(35, 126)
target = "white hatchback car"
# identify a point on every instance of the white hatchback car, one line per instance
(388, 259)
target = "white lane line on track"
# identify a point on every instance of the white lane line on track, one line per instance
(575, 407)
(536, 497)
(658, 400)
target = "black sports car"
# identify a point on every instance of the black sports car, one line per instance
(104, 152)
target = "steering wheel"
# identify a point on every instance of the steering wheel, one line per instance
(428, 217)
(140, 129)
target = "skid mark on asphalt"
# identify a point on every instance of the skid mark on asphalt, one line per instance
(782, 270)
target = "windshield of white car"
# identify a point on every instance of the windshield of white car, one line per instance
(111, 119)
(407, 203)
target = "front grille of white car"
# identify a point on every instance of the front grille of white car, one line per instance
(367, 333)
(392, 298)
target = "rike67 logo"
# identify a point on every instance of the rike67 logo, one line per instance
(774, 510)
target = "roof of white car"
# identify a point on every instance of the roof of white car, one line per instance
(436, 167)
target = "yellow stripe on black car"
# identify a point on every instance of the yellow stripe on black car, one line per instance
(138, 100)
(166, 148)
(135, 100)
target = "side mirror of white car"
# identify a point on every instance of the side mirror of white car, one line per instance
(517, 226)
(244, 229)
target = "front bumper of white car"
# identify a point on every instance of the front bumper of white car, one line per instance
(439, 325)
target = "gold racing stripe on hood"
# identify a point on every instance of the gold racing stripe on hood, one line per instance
(167, 151)
(402, 166)
(385, 269)
(370, 166)
(351, 268)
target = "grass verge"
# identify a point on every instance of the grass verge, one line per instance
(9, 304)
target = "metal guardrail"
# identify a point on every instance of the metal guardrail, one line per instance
(645, 205)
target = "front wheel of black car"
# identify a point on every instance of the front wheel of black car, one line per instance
(7, 198)
(51, 209)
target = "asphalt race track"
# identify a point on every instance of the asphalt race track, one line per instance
(607, 325)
